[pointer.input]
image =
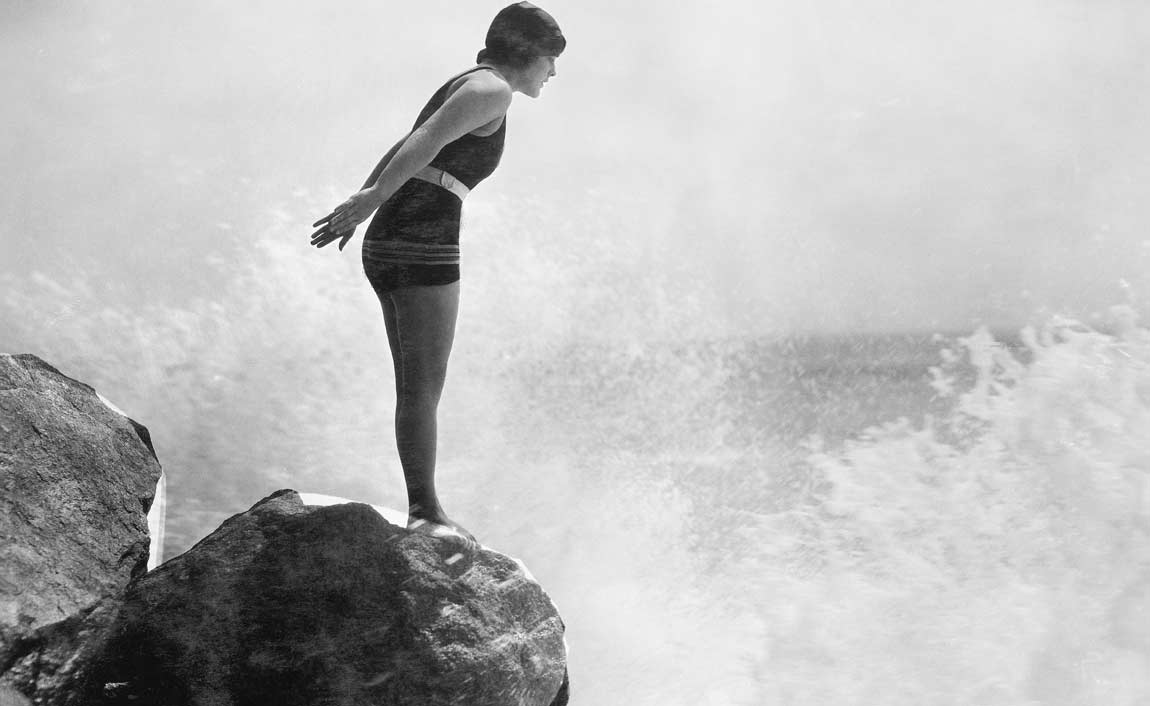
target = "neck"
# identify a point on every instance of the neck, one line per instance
(508, 74)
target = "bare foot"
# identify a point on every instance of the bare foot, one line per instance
(441, 526)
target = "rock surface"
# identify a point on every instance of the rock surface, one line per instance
(11, 697)
(52, 664)
(292, 604)
(286, 603)
(76, 482)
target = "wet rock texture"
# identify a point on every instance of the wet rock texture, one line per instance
(76, 482)
(293, 604)
(284, 604)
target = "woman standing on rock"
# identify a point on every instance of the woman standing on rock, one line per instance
(411, 247)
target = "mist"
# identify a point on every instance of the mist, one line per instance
(842, 166)
(695, 385)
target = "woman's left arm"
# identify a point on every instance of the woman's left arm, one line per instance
(383, 162)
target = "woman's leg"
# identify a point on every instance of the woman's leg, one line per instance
(420, 330)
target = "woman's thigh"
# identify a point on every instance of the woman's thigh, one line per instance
(388, 307)
(422, 331)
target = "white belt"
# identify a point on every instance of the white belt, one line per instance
(442, 178)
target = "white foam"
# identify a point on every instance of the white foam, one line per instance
(395, 517)
(158, 511)
(156, 517)
(110, 406)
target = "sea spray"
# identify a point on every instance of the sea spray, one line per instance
(971, 535)
(991, 555)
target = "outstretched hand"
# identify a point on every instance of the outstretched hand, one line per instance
(341, 222)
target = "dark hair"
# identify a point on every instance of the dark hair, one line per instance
(519, 33)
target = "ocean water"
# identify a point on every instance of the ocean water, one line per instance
(926, 518)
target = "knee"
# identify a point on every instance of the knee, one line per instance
(419, 400)
(419, 387)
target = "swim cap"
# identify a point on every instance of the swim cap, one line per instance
(522, 31)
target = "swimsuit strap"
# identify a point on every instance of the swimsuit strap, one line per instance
(440, 96)
(461, 74)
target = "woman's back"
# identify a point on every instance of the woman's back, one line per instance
(472, 158)
(422, 212)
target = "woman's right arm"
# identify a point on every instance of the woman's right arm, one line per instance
(476, 103)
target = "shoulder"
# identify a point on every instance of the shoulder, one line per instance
(481, 88)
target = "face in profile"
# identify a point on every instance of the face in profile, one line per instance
(537, 73)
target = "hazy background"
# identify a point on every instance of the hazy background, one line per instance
(698, 295)
(840, 165)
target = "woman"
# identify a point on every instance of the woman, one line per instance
(411, 247)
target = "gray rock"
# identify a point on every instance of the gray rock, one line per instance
(52, 664)
(291, 604)
(286, 603)
(76, 482)
(11, 697)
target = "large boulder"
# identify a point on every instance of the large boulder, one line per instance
(287, 603)
(77, 479)
(295, 604)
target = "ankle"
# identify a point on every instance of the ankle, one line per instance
(425, 511)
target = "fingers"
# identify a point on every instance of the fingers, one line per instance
(338, 225)
(327, 234)
(323, 236)
(332, 217)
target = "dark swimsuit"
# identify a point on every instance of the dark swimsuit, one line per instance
(413, 240)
